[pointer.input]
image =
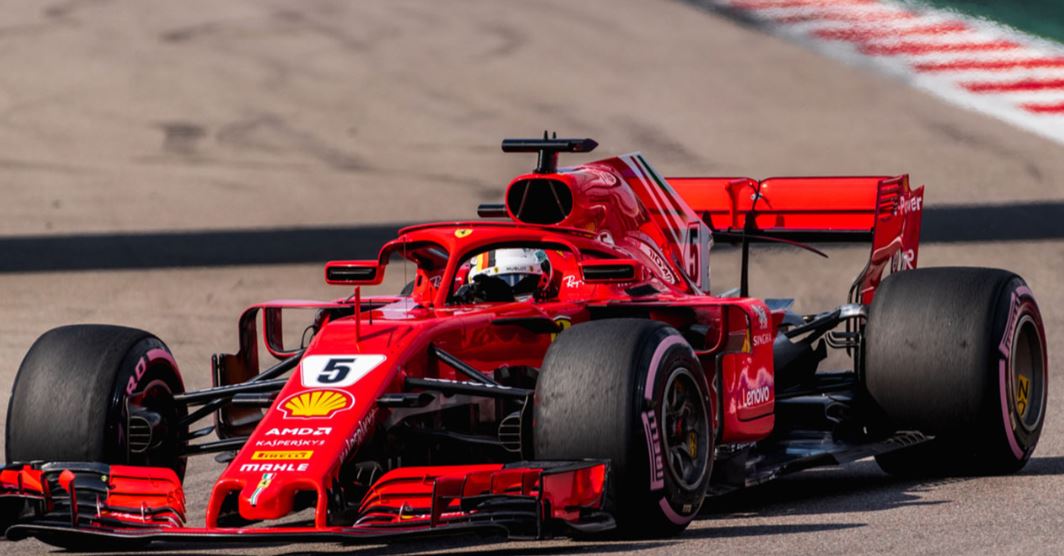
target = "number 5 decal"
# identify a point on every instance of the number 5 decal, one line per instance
(336, 370)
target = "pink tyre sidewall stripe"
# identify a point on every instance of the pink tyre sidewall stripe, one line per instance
(1020, 304)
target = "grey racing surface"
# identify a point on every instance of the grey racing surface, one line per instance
(222, 129)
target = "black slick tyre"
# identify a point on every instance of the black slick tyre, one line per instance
(630, 391)
(79, 386)
(959, 353)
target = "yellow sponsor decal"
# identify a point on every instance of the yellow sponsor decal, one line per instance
(1023, 394)
(563, 323)
(316, 403)
(462, 232)
(271, 455)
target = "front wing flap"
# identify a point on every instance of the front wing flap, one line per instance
(80, 505)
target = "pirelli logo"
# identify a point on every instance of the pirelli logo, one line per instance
(274, 455)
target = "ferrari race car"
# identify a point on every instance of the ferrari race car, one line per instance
(558, 366)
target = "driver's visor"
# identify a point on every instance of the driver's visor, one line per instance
(520, 282)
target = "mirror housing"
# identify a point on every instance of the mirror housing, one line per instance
(278, 343)
(611, 271)
(354, 273)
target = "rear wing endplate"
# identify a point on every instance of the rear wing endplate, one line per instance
(879, 209)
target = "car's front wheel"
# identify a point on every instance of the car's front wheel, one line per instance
(630, 391)
(97, 393)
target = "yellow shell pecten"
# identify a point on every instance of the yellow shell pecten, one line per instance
(316, 403)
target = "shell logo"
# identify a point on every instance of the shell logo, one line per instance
(314, 404)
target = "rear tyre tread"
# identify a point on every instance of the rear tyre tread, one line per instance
(946, 350)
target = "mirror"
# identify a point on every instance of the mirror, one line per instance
(353, 273)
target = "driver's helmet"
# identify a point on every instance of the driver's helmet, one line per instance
(524, 270)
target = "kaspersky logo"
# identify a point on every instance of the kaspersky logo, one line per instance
(316, 404)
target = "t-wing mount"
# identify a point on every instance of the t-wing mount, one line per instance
(548, 149)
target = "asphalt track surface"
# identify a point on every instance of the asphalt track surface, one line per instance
(222, 131)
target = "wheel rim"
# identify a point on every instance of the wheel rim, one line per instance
(1027, 374)
(686, 429)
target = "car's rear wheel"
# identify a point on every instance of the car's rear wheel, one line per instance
(630, 391)
(97, 393)
(959, 353)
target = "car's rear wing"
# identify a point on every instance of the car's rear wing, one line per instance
(879, 209)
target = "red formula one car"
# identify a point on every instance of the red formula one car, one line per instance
(559, 365)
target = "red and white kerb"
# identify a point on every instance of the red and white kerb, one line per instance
(970, 62)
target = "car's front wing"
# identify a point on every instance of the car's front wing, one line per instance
(90, 505)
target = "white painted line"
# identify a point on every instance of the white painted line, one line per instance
(985, 56)
(1006, 75)
(946, 39)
